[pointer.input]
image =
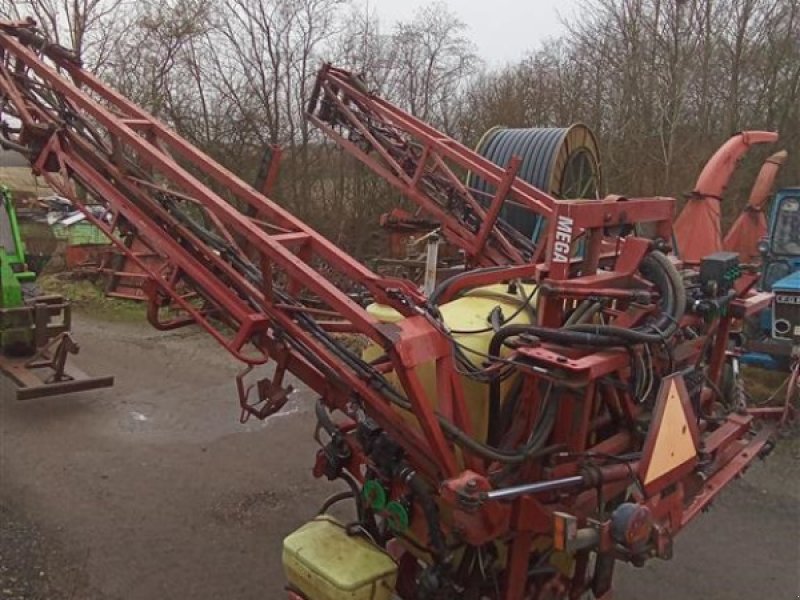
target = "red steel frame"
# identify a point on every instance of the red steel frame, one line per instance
(282, 244)
(111, 152)
(421, 151)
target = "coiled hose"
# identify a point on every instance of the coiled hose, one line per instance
(561, 161)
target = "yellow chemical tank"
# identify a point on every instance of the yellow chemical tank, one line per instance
(325, 563)
(320, 559)
(468, 317)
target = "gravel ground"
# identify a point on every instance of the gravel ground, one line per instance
(23, 560)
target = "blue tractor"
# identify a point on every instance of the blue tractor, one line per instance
(772, 340)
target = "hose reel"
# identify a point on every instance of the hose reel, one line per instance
(562, 161)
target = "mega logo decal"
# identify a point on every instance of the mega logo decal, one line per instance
(563, 240)
(786, 299)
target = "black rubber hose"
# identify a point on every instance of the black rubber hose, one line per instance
(431, 512)
(510, 404)
(541, 432)
(595, 308)
(617, 336)
(440, 289)
(676, 279)
(334, 499)
(673, 303)
(659, 269)
(579, 312)
(494, 385)
(495, 405)
(360, 508)
(653, 270)
(455, 434)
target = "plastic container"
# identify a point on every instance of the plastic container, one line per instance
(468, 317)
(325, 563)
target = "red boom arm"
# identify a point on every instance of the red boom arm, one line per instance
(251, 274)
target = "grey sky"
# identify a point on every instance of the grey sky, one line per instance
(502, 29)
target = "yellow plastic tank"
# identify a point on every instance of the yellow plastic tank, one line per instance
(468, 318)
(325, 563)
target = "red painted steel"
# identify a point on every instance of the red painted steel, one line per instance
(422, 163)
(228, 296)
(270, 289)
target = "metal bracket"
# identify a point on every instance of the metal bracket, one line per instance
(271, 394)
(64, 345)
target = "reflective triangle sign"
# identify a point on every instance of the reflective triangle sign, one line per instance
(670, 450)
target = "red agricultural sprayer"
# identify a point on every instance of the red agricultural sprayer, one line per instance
(546, 413)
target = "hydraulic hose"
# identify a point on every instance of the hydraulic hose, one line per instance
(561, 336)
(431, 512)
(595, 308)
(454, 433)
(335, 499)
(657, 268)
(676, 279)
(440, 289)
(578, 313)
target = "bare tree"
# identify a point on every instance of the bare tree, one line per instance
(662, 82)
(89, 27)
(433, 58)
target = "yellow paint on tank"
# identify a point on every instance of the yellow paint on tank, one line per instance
(324, 562)
(468, 317)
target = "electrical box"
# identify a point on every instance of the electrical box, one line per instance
(324, 562)
(718, 272)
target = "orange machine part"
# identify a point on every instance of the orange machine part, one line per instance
(751, 226)
(697, 229)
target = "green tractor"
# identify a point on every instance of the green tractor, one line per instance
(35, 339)
(16, 282)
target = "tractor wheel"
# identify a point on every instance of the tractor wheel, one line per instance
(727, 383)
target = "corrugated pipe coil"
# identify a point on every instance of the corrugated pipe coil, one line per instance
(562, 161)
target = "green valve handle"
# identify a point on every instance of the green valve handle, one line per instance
(397, 517)
(374, 495)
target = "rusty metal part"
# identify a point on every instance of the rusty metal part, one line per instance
(47, 373)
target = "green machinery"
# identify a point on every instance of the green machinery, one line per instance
(35, 339)
(14, 273)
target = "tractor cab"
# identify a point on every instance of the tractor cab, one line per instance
(781, 250)
(776, 335)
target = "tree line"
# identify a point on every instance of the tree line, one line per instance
(661, 82)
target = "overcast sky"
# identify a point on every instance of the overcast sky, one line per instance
(501, 29)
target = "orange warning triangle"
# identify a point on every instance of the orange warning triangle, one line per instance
(674, 444)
